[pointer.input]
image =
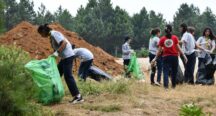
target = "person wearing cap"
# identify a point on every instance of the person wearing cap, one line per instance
(63, 49)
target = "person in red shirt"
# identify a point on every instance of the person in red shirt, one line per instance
(169, 44)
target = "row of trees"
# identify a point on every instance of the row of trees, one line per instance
(103, 25)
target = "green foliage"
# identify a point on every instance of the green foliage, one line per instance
(64, 17)
(16, 85)
(191, 110)
(142, 53)
(95, 88)
(143, 22)
(102, 25)
(43, 16)
(192, 17)
(2, 7)
(26, 11)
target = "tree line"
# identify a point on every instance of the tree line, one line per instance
(102, 25)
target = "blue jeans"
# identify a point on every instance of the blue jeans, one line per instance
(65, 67)
(159, 68)
(170, 63)
(84, 69)
(189, 68)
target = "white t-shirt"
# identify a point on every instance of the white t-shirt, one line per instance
(153, 45)
(188, 43)
(207, 44)
(56, 38)
(84, 54)
(126, 50)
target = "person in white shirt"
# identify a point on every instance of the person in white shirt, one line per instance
(207, 42)
(64, 50)
(188, 47)
(126, 54)
(86, 57)
(153, 48)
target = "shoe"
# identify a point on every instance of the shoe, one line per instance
(157, 84)
(77, 100)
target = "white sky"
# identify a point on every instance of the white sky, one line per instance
(131, 6)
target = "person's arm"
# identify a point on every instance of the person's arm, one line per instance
(199, 47)
(158, 54)
(62, 46)
(213, 46)
(181, 52)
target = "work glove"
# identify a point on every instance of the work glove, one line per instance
(55, 54)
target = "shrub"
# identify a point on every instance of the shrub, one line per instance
(191, 110)
(142, 53)
(16, 90)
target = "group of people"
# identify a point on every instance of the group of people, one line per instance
(164, 53)
(67, 52)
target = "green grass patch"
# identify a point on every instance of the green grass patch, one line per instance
(96, 88)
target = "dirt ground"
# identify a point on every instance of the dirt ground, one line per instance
(143, 100)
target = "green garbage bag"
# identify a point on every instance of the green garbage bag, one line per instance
(134, 67)
(47, 78)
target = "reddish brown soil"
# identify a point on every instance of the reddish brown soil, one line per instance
(25, 36)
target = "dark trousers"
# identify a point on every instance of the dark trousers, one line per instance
(189, 68)
(65, 67)
(170, 63)
(200, 61)
(153, 70)
(126, 64)
(84, 69)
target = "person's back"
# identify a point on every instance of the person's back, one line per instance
(56, 38)
(83, 53)
(169, 45)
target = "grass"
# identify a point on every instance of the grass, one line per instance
(131, 97)
(96, 88)
(103, 108)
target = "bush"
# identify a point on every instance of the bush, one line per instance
(191, 110)
(16, 90)
(142, 53)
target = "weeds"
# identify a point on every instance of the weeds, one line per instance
(191, 110)
(95, 88)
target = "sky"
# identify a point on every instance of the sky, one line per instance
(166, 7)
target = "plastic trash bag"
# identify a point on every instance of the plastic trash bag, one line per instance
(98, 74)
(135, 68)
(47, 78)
(205, 74)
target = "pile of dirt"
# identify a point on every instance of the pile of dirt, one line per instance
(25, 35)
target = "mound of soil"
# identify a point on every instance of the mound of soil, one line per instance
(25, 35)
